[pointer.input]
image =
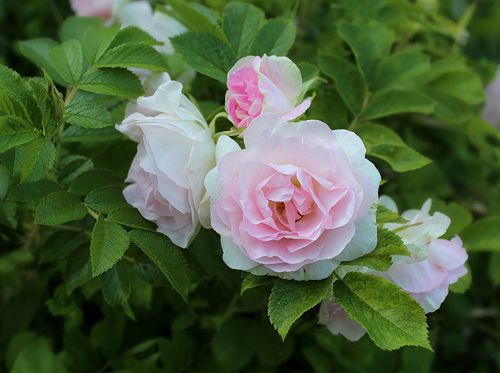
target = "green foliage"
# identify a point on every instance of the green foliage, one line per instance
(389, 315)
(290, 299)
(59, 208)
(483, 235)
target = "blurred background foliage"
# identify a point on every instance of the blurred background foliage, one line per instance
(44, 329)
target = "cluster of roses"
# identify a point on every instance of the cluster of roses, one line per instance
(295, 202)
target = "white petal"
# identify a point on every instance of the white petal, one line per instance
(233, 256)
(225, 145)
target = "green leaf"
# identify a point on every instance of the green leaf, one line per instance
(483, 235)
(391, 317)
(193, 17)
(49, 102)
(168, 257)
(459, 215)
(398, 101)
(380, 259)
(463, 283)
(84, 111)
(75, 27)
(61, 244)
(37, 356)
(384, 215)
(401, 67)
(205, 53)
(348, 80)
(276, 37)
(4, 181)
(133, 35)
(67, 59)
(241, 23)
(116, 286)
(35, 159)
(231, 350)
(130, 217)
(133, 55)
(96, 42)
(38, 52)
(32, 192)
(94, 179)
(370, 43)
(463, 85)
(17, 86)
(290, 299)
(90, 135)
(10, 105)
(59, 208)
(494, 268)
(14, 132)
(106, 199)
(251, 281)
(109, 243)
(114, 82)
(383, 143)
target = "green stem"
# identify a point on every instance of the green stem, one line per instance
(222, 114)
(92, 213)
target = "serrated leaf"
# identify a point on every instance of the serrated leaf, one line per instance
(91, 135)
(35, 159)
(241, 23)
(370, 43)
(251, 281)
(132, 34)
(106, 199)
(482, 235)
(67, 59)
(116, 286)
(38, 51)
(384, 215)
(74, 27)
(168, 257)
(290, 299)
(398, 101)
(380, 259)
(32, 192)
(391, 317)
(348, 80)
(109, 243)
(15, 131)
(59, 208)
(10, 105)
(276, 38)
(130, 217)
(133, 55)
(12, 82)
(383, 143)
(205, 53)
(112, 81)
(96, 42)
(84, 111)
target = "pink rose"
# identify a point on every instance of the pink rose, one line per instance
(491, 111)
(296, 201)
(258, 85)
(434, 263)
(174, 154)
(93, 8)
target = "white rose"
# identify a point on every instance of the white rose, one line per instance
(175, 152)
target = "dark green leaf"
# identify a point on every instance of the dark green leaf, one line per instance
(276, 37)
(130, 217)
(59, 208)
(114, 82)
(133, 55)
(35, 159)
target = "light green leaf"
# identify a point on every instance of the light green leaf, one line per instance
(370, 43)
(38, 52)
(10, 105)
(109, 243)
(133, 55)
(75, 27)
(59, 208)
(401, 67)
(205, 53)
(114, 82)
(391, 317)
(130, 217)
(133, 35)
(251, 281)
(483, 235)
(67, 59)
(241, 23)
(106, 199)
(383, 143)
(398, 101)
(168, 257)
(384, 215)
(463, 85)
(380, 259)
(348, 80)
(290, 299)
(84, 111)
(96, 42)
(35, 159)
(276, 37)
